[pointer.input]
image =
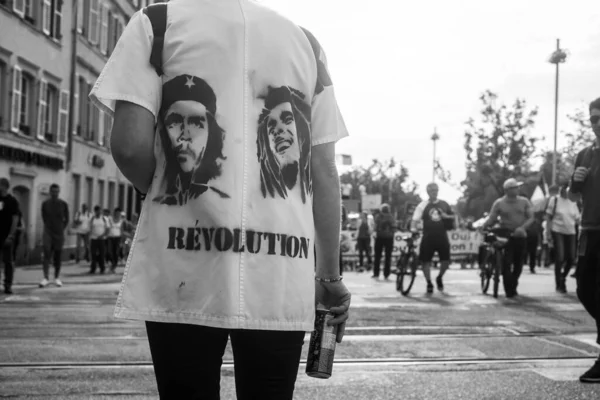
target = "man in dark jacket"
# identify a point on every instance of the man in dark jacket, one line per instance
(385, 227)
(55, 214)
(586, 182)
(9, 217)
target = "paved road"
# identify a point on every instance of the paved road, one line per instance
(62, 343)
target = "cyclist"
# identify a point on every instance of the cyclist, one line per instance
(434, 217)
(516, 214)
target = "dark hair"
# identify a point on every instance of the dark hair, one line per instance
(595, 104)
(210, 166)
(97, 208)
(118, 209)
(271, 177)
(54, 186)
(5, 182)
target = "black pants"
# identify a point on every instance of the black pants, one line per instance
(97, 249)
(114, 246)
(382, 244)
(531, 253)
(564, 250)
(187, 361)
(513, 264)
(364, 247)
(588, 275)
(53, 246)
(7, 260)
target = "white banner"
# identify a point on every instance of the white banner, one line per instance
(462, 243)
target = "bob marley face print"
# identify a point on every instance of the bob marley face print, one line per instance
(284, 143)
(191, 139)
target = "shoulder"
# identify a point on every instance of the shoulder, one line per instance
(498, 202)
(524, 199)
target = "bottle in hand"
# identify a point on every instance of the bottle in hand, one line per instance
(322, 346)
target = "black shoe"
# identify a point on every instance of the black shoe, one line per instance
(592, 375)
(532, 271)
(439, 283)
(8, 291)
(429, 287)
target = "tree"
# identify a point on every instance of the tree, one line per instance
(499, 146)
(387, 178)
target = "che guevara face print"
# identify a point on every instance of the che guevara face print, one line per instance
(192, 140)
(283, 142)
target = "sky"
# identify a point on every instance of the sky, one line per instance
(402, 68)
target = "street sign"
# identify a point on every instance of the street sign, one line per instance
(371, 201)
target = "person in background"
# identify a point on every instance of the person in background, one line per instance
(534, 234)
(385, 227)
(99, 226)
(586, 183)
(363, 240)
(515, 214)
(344, 227)
(81, 226)
(106, 214)
(9, 218)
(434, 217)
(115, 235)
(562, 216)
(55, 215)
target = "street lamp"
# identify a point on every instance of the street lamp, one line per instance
(435, 137)
(558, 57)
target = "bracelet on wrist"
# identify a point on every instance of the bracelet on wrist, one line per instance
(329, 280)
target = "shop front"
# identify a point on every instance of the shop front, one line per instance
(30, 171)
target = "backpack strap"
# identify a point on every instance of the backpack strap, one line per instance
(157, 13)
(323, 78)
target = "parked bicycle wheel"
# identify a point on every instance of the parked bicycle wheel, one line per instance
(407, 272)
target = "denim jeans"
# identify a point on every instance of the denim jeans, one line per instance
(564, 251)
(588, 275)
(187, 361)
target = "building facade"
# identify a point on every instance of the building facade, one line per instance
(35, 70)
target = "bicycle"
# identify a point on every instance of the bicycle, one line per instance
(406, 268)
(492, 261)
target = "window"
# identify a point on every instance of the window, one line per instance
(104, 29)
(47, 111)
(46, 16)
(108, 121)
(2, 93)
(111, 195)
(63, 118)
(75, 188)
(121, 202)
(101, 193)
(93, 121)
(83, 108)
(80, 18)
(94, 21)
(56, 31)
(24, 9)
(89, 189)
(76, 108)
(21, 101)
(48, 122)
(110, 39)
(19, 7)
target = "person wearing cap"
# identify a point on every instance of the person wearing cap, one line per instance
(514, 214)
(435, 218)
(586, 183)
(231, 135)
(562, 216)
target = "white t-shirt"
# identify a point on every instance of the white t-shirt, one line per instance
(98, 226)
(115, 228)
(565, 217)
(226, 233)
(84, 222)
